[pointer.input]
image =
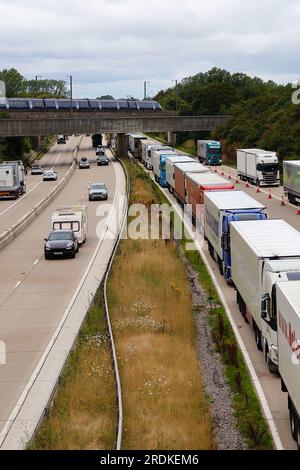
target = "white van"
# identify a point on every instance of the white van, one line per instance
(72, 217)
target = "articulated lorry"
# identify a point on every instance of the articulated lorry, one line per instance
(180, 174)
(222, 208)
(209, 152)
(170, 174)
(263, 253)
(288, 320)
(159, 165)
(12, 179)
(258, 166)
(134, 144)
(291, 180)
(146, 146)
(197, 184)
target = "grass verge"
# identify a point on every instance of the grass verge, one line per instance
(251, 421)
(247, 410)
(165, 406)
(83, 413)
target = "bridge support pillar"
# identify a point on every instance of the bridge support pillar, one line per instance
(171, 138)
(121, 145)
(108, 138)
(37, 142)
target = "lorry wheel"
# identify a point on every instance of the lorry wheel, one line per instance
(291, 199)
(293, 424)
(257, 335)
(272, 367)
(211, 250)
(298, 436)
(220, 263)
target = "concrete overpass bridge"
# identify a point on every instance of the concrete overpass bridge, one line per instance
(18, 124)
(47, 123)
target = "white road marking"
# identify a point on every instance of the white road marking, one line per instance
(18, 406)
(56, 161)
(36, 262)
(18, 283)
(20, 199)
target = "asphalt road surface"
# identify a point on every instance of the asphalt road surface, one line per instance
(34, 293)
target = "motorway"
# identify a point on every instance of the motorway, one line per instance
(276, 399)
(59, 157)
(35, 293)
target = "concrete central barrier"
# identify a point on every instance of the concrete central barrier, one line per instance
(10, 234)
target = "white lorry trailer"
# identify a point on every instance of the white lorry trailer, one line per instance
(258, 166)
(221, 209)
(73, 217)
(146, 153)
(159, 164)
(12, 179)
(291, 180)
(288, 320)
(170, 174)
(263, 253)
(133, 143)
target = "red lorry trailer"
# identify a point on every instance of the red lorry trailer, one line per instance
(197, 184)
(180, 172)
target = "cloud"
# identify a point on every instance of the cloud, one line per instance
(112, 46)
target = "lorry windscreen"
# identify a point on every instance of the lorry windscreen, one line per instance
(215, 150)
(242, 217)
(267, 167)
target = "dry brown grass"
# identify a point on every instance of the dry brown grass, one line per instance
(83, 415)
(164, 402)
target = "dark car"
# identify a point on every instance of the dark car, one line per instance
(102, 160)
(98, 191)
(61, 243)
(84, 163)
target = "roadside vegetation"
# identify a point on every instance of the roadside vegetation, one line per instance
(20, 148)
(165, 406)
(83, 413)
(246, 407)
(263, 115)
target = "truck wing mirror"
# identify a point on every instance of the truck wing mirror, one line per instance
(265, 301)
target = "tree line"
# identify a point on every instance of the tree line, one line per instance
(16, 85)
(262, 112)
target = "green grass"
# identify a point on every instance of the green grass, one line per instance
(247, 410)
(83, 413)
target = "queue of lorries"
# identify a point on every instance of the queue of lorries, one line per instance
(258, 256)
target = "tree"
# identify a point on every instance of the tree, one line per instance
(46, 88)
(105, 97)
(14, 82)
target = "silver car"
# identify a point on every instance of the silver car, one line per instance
(84, 163)
(50, 175)
(98, 192)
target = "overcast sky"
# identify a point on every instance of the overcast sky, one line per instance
(112, 46)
